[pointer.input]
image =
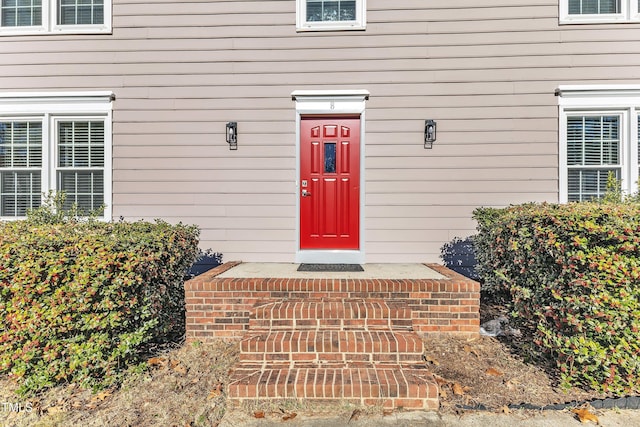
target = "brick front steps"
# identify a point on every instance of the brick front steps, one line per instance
(220, 307)
(333, 349)
(356, 340)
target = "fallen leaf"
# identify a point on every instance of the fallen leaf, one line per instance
(179, 368)
(215, 391)
(432, 360)
(354, 415)
(457, 389)
(505, 410)
(157, 361)
(441, 381)
(585, 416)
(493, 372)
(55, 409)
(258, 414)
(470, 350)
(289, 416)
(443, 394)
(387, 412)
(101, 396)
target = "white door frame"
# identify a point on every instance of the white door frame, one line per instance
(331, 103)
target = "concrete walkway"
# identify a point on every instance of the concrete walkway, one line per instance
(608, 418)
(371, 271)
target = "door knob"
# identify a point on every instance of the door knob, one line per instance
(305, 193)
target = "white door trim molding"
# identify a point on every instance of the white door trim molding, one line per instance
(329, 103)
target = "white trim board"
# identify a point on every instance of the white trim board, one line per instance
(328, 103)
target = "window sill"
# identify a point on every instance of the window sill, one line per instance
(599, 20)
(76, 30)
(333, 27)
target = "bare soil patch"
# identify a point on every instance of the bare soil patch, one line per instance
(495, 372)
(184, 386)
(483, 373)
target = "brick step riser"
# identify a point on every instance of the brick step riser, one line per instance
(332, 324)
(333, 342)
(339, 314)
(367, 386)
(325, 358)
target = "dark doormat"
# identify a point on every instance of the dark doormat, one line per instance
(330, 267)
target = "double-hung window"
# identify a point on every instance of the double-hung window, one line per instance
(55, 16)
(319, 15)
(598, 138)
(598, 11)
(58, 142)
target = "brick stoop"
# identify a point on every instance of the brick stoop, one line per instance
(356, 350)
(221, 307)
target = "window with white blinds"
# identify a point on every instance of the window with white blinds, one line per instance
(80, 12)
(64, 16)
(593, 153)
(55, 150)
(317, 15)
(596, 11)
(20, 13)
(80, 165)
(20, 166)
(594, 7)
(599, 131)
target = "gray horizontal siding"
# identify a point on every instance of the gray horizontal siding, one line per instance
(484, 69)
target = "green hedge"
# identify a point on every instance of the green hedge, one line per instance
(79, 301)
(573, 273)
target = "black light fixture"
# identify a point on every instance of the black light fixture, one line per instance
(232, 135)
(429, 133)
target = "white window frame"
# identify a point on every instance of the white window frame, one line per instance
(52, 107)
(302, 24)
(50, 25)
(602, 100)
(629, 13)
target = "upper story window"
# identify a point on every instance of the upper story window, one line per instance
(23, 17)
(55, 142)
(319, 15)
(598, 11)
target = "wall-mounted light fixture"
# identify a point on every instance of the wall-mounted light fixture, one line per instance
(232, 135)
(429, 133)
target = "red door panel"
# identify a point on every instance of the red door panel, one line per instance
(329, 183)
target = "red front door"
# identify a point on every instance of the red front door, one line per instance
(329, 183)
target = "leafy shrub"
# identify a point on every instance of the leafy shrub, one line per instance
(79, 300)
(573, 273)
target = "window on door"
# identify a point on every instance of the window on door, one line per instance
(319, 15)
(598, 142)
